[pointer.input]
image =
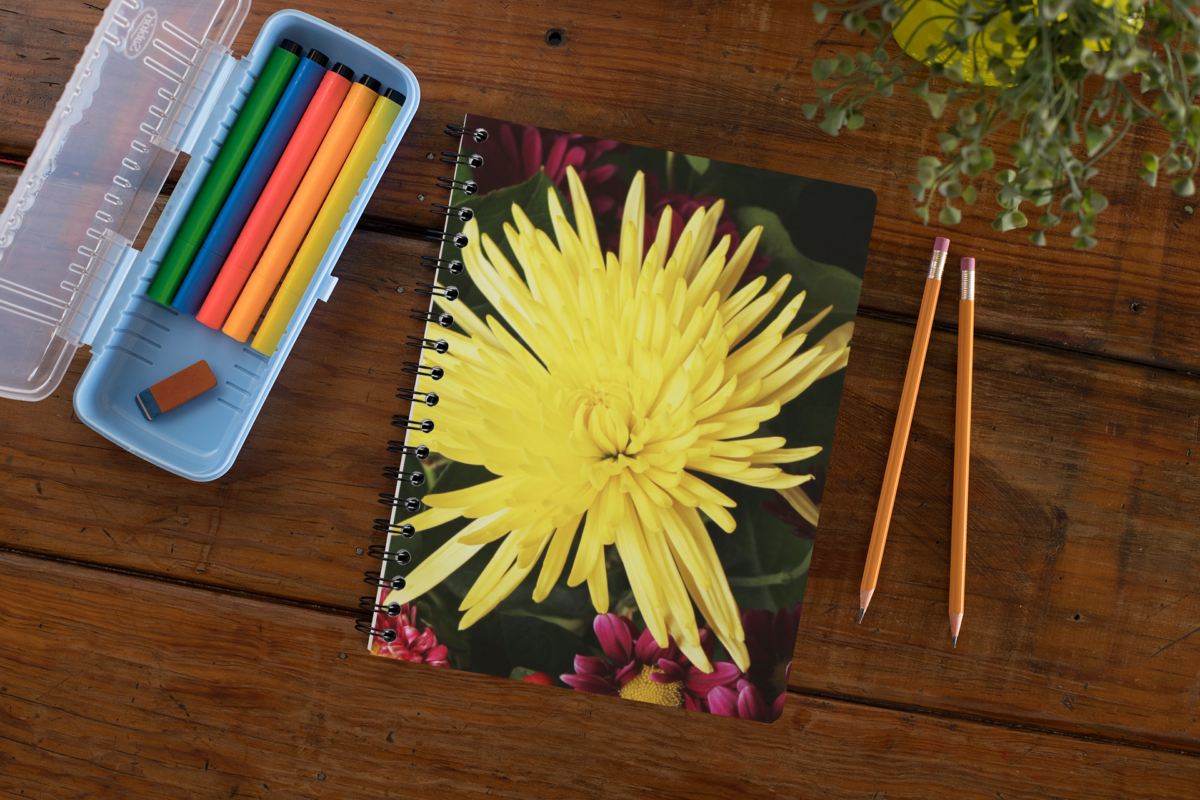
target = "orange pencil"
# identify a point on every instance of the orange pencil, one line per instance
(303, 208)
(962, 447)
(908, 399)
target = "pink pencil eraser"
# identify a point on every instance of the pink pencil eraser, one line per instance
(941, 243)
(967, 265)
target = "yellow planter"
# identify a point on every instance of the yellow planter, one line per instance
(927, 21)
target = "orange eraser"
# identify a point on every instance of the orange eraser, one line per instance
(176, 390)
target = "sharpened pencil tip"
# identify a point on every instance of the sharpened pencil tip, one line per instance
(955, 642)
(861, 613)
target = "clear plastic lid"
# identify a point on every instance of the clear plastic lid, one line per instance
(97, 169)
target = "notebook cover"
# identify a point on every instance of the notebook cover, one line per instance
(634, 426)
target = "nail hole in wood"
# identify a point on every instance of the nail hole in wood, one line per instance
(555, 37)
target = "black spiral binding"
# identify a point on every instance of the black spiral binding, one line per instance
(409, 423)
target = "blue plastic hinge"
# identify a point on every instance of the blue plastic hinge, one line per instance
(199, 97)
(326, 289)
(122, 260)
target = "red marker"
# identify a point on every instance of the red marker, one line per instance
(276, 196)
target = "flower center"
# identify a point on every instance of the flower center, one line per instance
(645, 689)
(607, 410)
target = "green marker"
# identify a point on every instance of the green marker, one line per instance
(225, 170)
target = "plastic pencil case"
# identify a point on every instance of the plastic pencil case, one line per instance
(153, 82)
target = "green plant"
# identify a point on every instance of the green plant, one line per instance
(1071, 76)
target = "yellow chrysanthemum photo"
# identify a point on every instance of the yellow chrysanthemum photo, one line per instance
(609, 387)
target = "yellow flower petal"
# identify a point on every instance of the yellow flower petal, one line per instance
(598, 393)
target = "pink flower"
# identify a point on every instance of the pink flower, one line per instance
(771, 642)
(411, 643)
(636, 668)
(683, 206)
(539, 678)
(745, 703)
(514, 153)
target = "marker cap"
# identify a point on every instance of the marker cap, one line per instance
(395, 95)
(343, 70)
(317, 56)
(369, 82)
(291, 47)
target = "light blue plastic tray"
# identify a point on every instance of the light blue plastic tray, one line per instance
(136, 342)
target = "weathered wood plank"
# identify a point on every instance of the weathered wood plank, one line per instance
(118, 686)
(289, 516)
(1061, 443)
(724, 81)
(1082, 557)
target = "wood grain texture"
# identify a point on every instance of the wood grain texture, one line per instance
(1081, 604)
(1082, 557)
(157, 690)
(291, 515)
(726, 81)
(1061, 442)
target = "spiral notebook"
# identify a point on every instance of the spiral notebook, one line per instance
(615, 450)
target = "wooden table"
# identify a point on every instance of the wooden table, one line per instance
(161, 638)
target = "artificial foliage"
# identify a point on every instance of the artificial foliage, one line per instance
(1045, 90)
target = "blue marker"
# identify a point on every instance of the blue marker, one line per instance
(256, 173)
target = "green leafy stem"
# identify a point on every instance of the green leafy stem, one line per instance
(774, 579)
(1072, 77)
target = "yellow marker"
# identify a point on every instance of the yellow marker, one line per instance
(328, 221)
(304, 206)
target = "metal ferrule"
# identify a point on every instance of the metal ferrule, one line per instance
(936, 264)
(968, 284)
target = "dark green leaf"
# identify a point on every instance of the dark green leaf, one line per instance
(950, 189)
(822, 68)
(927, 170)
(949, 215)
(700, 165)
(937, 103)
(826, 285)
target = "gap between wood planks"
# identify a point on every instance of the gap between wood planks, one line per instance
(349, 614)
(416, 233)
(9, 172)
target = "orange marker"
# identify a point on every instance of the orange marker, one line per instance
(303, 208)
(275, 196)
